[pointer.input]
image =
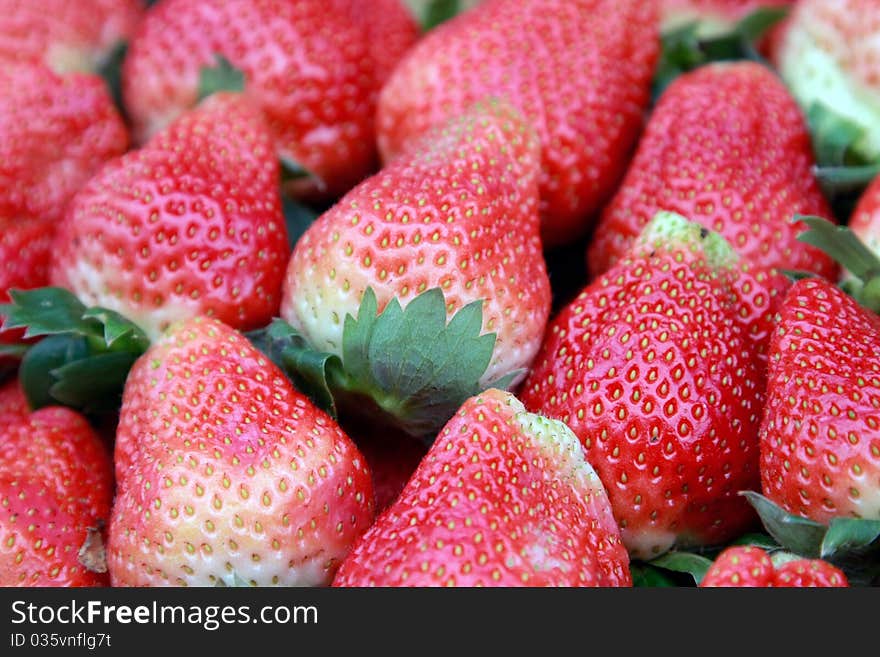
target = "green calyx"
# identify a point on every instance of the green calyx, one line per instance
(851, 544)
(668, 230)
(685, 48)
(845, 167)
(404, 367)
(862, 264)
(223, 76)
(85, 354)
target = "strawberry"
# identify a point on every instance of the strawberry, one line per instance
(827, 55)
(313, 66)
(226, 473)
(750, 566)
(55, 133)
(450, 223)
(727, 147)
(66, 36)
(56, 487)
(503, 498)
(820, 451)
(579, 70)
(653, 367)
(189, 224)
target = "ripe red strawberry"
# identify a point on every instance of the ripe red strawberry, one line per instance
(190, 224)
(653, 368)
(225, 472)
(580, 71)
(727, 147)
(750, 566)
(457, 212)
(820, 444)
(56, 487)
(504, 498)
(55, 132)
(827, 55)
(64, 35)
(310, 65)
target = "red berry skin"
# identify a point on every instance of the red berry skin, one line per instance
(579, 70)
(728, 147)
(750, 566)
(224, 469)
(56, 488)
(503, 498)
(655, 372)
(310, 65)
(740, 566)
(13, 404)
(66, 36)
(189, 224)
(820, 444)
(55, 133)
(458, 211)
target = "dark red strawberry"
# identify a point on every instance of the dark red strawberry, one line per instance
(313, 66)
(579, 70)
(727, 147)
(56, 487)
(65, 35)
(653, 367)
(189, 224)
(225, 473)
(749, 566)
(504, 498)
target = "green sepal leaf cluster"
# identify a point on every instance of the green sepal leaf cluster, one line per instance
(85, 354)
(439, 11)
(839, 242)
(222, 76)
(688, 563)
(851, 544)
(684, 49)
(407, 366)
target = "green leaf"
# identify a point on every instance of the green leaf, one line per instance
(84, 361)
(417, 368)
(849, 251)
(297, 217)
(47, 311)
(646, 576)
(310, 371)
(93, 384)
(111, 70)
(835, 137)
(120, 333)
(223, 76)
(799, 535)
(839, 180)
(35, 372)
(683, 49)
(694, 565)
(849, 534)
(757, 23)
(796, 275)
(440, 11)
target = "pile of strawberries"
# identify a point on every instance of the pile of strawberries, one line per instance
(545, 292)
